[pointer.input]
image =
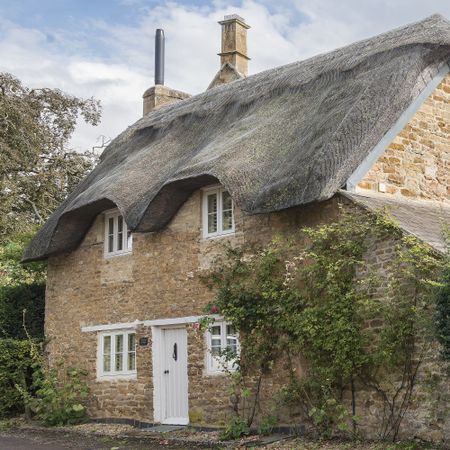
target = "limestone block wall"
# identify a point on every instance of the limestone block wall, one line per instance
(159, 279)
(417, 162)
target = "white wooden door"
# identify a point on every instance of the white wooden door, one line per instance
(175, 408)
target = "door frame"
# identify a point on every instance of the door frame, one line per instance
(157, 355)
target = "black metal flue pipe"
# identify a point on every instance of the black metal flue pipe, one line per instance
(159, 56)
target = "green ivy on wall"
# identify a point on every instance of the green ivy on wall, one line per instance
(354, 325)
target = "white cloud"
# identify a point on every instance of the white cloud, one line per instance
(281, 32)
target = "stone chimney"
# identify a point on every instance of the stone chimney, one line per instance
(159, 95)
(233, 55)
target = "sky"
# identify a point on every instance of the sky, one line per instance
(105, 48)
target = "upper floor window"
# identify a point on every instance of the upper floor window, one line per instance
(222, 347)
(118, 238)
(218, 212)
(117, 354)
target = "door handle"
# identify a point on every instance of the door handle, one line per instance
(166, 371)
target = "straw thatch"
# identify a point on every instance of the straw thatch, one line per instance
(284, 137)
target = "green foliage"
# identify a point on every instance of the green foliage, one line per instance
(235, 428)
(22, 287)
(58, 395)
(59, 401)
(16, 299)
(442, 316)
(15, 369)
(314, 297)
(12, 271)
(37, 169)
(267, 424)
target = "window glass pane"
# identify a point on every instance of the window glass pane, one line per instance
(227, 220)
(131, 342)
(212, 213)
(227, 203)
(106, 363)
(119, 233)
(231, 330)
(215, 330)
(227, 211)
(106, 353)
(129, 240)
(110, 234)
(216, 347)
(106, 344)
(131, 361)
(232, 344)
(131, 351)
(118, 361)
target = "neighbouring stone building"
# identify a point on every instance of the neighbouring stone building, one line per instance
(251, 158)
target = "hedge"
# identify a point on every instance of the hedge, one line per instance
(15, 368)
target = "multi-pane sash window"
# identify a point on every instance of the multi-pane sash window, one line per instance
(117, 353)
(218, 217)
(118, 238)
(223, 345)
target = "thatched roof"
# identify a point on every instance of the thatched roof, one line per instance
(424, 219)
(284, 137)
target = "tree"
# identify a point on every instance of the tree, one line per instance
(37, 168)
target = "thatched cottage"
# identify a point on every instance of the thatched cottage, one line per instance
(250, 157)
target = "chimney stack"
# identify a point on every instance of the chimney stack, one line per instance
(233, 55)
(234, 43)
(159, 94)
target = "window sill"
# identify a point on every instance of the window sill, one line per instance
(130, 376)
(218, 236)
(114, 255)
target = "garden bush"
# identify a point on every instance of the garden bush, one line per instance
(15, 370)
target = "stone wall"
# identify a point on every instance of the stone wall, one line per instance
(417, 162)
(159, 279)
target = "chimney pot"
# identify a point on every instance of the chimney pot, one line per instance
(159, 56)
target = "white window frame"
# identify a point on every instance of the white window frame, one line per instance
(113, 374)
(214, 365)
(127, 246)
(217, 190)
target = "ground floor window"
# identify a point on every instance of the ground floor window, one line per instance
(117, 354)
(222, 347)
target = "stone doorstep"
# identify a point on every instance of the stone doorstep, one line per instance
(164, 428)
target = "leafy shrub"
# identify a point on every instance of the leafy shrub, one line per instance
(13, 301)
(267, 424)
(442, 315)
(235, 428)
(15, 369)
(60, 395)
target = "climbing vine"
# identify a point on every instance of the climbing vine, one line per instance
(356, 325)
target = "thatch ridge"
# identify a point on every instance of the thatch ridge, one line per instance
(284, 137)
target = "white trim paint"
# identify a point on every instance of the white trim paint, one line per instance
(158, 382)
(217, 190)
(145, 323)
(406, 116)
(123, 375)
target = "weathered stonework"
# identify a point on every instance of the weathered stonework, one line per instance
(159, 279)
(160, 95)
(417, 162)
